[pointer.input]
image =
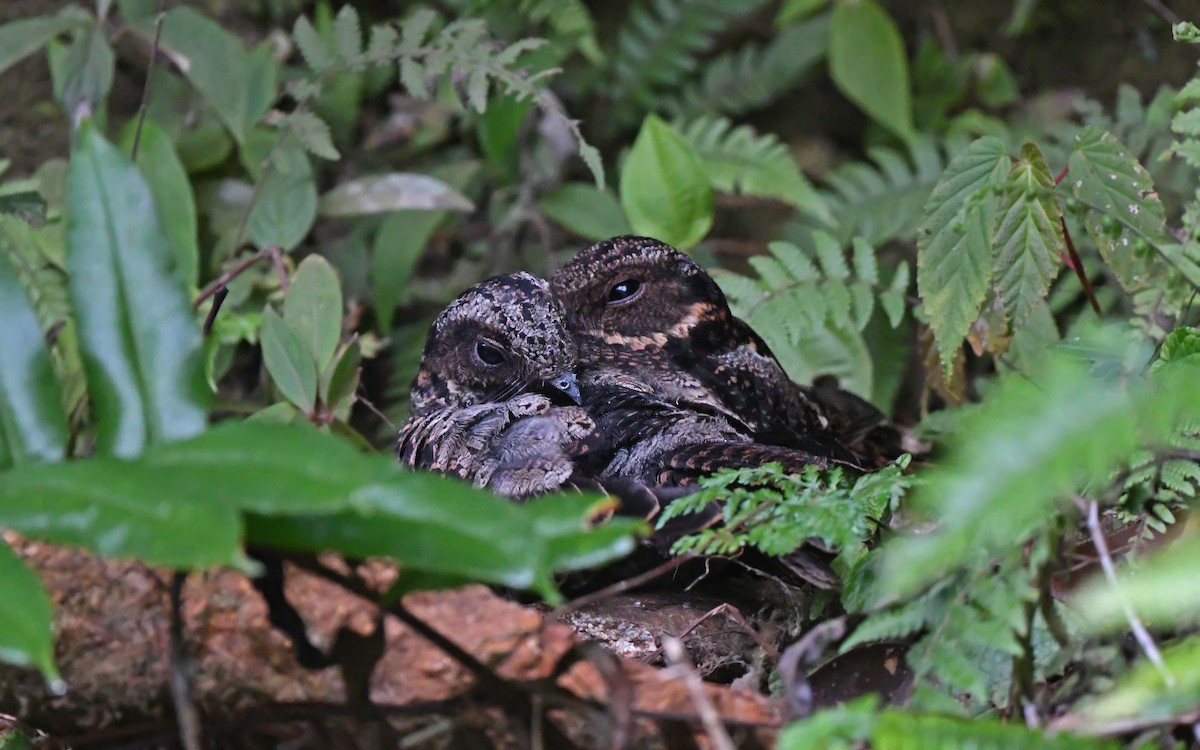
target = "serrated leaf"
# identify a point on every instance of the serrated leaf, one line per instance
(313, 134)
(415, 28)
(1106, 177)
(1028, 238)
(289, 361)
(830, 255)
(382, 46)
(868, 64)
(664, 189)
(865, 267)
(347, 36)
(395, 191)
(141, 347)
(26, 617)
(312, 46)
(954, 267)
(795, 260)
(33, 426)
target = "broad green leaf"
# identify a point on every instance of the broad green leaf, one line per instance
(26, 617)
(1028, 237)
(123, 508)
(33, 426)
(591, 213)
(340, 380)
(868, 64)
(142, 350)
(954, 266)
(438, 526)
(83, 73)
(392, 192)
(400, 242)
(1031, 443)
(21, 38)
(498, 129)
(1107, 178)
(313, 308)
(574, 542)
(240, 85)
(286, 205)
(664, 189)
(792, 10)
(173, 198)
(289, 361)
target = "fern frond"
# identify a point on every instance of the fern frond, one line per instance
(661, 43)
(737, 159)
(882, 199)
(754, 75)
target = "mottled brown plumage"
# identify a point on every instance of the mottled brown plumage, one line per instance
(494, 361)
(643, 310)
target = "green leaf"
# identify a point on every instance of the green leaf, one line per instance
(289, 361)
(33, 426)
(83, 73)
(173, 199)
(1028, 236)
(347, 36)
(868, 64)
(21, 38)
(312, 46)
(240, 85)
(954, 266)
(792, 10)
(591, 213)
(739, 160)
(437, 525)
(1143, 694)
(1160, 590)
(28, 206)
(395, 191)
(1105, 176)
(1033, 441)
(664, 189)
(142, 350)
(313, 308)
(122, 508)
(313, 134)
(286, 205)
(26, 617)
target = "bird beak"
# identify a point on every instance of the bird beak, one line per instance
(567, 385)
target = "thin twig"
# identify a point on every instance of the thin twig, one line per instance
(1163, 11)
(218, 300)
(181, 678)
(361, 397)
(1076, 265)
(1106, 563)
(272, 251)
(141, 118)
(709, 718)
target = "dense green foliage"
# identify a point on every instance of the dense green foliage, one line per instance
(330, 188)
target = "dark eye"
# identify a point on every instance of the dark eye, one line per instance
(625, 291)
(488, 354)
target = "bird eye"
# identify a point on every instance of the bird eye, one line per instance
(625, 291)
(489, 355)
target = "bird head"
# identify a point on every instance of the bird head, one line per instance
(638, 293)
(500, 338)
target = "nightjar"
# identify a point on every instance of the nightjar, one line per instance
(643, 312)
